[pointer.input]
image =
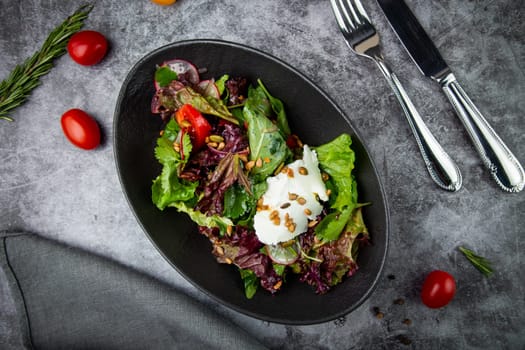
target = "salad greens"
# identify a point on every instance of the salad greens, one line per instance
(219, 185)
(266, 141)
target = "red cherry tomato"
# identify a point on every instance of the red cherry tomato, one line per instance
(438, 289)
(87, 47)
(164, 2)
(80, 129)
(199, 128)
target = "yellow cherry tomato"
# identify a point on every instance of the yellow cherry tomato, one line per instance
(164, 2)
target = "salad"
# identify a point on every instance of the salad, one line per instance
(270, 205)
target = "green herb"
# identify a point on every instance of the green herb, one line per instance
(479, 262)
(25, 77)
(164, 76)
(236, 202)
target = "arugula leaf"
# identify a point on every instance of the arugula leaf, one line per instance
(251, 282)
(278, 108)
(331, 226)
(221, 84)
(207, 105)
(164, 76)
(266, 141)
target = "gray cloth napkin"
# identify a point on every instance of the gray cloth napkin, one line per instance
(67, 298)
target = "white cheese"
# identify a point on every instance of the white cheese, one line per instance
(292, 197)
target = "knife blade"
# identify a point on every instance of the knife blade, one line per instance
(497, 157)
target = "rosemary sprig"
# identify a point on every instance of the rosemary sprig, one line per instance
(26, 76)
(479, 262)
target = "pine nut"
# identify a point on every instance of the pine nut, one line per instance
(216, 138)
(292, 196)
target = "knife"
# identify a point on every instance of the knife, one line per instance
(503, 165)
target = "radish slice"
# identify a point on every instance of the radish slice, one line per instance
(184, 68)
(208, 88)
(283, 255)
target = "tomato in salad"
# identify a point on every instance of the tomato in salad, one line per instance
(438, 289)
(194, 122)
(87, 47)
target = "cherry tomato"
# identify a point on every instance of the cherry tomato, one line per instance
(199, 128)
(438, 289)
(80, 129)
(87, 47)
(164, 2)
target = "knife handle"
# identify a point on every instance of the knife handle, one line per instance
(503, 165)
(441, 167)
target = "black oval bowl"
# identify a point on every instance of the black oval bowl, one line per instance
(312, 115)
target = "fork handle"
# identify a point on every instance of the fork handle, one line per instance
(503, 165)
(441, 167)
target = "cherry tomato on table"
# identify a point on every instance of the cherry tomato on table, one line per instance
(80, 129)
(438, 289)
(87, 47)
(164, 2)
(199, 128)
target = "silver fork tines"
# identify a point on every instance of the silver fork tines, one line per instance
(362, 37)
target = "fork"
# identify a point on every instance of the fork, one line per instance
(362, 37)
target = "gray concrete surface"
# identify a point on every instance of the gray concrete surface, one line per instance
(51, 188)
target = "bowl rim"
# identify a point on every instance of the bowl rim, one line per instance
(259, 52)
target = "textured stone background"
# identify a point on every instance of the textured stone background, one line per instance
(53, 189)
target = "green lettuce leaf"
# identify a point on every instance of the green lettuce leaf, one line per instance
(202, 219)
(167, 187)
(336, 158)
